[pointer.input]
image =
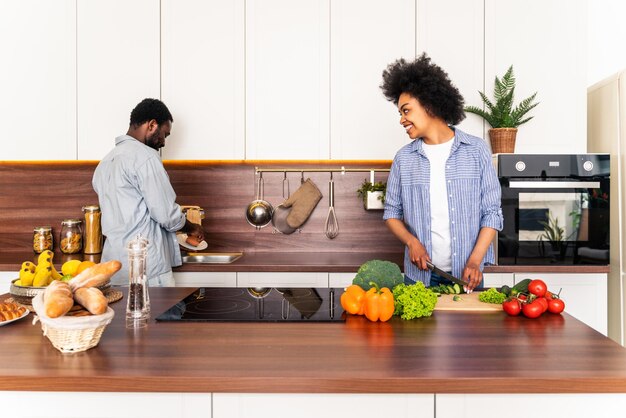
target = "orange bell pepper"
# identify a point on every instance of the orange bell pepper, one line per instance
(379, 303)
(352, 300)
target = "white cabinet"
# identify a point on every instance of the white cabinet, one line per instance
(282, 279)
(205, 279)
(462, 31)
(341, 280)
(364, 38)
(585, 295)
(287, 80)
(105, 405)
(118, 62)
(38, 80)
(252, 405)
(545, 41)
(498, 279)
(202, 78)
(600, 405)
(5, 280)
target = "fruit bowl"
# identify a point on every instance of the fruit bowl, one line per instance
(24, 294)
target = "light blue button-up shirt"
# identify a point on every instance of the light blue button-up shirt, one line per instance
(136, 197)
(473, 192)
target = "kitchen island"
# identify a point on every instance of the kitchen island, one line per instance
(447, 353)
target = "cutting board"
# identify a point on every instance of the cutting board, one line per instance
(467, 303)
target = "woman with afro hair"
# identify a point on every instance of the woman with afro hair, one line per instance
(443, 195)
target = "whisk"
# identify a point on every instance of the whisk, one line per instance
(331, 226)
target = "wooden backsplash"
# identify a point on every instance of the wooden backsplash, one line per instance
(44, 193)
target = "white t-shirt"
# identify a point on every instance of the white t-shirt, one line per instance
(439, 217)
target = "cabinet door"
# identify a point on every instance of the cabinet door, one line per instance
(269, 279)
(105, 405)
(252, 405)
(546, 44)
(118, 66)
(287, 73)
(440, 32)
(498, 279)
(340, 279)
(5, 280)
(202, 80)
(38, 79)
(585, 295)
(206, 279)
(365, 38)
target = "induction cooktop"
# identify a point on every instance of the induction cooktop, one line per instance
(258, 304)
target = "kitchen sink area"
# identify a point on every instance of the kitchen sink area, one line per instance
(211, 258)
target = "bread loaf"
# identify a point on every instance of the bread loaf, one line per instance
(92, 299)
(95, 275)
(57, 299)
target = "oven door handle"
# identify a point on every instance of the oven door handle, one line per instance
(554, 184)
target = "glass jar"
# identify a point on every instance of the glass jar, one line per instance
(93, 230)
(71, 236)
(42, 239)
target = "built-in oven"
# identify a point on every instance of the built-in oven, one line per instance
(556, 209)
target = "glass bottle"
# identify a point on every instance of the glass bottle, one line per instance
(42, 239)
(71, 236)
(93, 230)
(138, 304)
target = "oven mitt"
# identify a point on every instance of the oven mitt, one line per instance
(302, 203)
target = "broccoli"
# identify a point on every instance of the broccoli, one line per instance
(383, 273)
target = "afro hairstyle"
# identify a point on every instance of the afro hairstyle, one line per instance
(427, 83)
(149, 109)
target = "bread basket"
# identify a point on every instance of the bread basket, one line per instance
(71, 334)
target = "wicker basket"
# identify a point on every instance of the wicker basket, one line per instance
(71, 334)
(502, 140)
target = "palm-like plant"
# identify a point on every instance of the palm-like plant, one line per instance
(501, 114)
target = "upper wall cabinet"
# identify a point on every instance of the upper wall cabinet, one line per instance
(545, 41)
(202, 46)
(287, 79)
(364, 38)
(38, 79)
(455, 42)
(118, 66)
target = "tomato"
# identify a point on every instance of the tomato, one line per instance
(544, 303)
(522, 297)
(512, 307)
(537, 287)
(556, 306)
(532, 310)
(549, 295)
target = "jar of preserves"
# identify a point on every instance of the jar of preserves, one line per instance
(93, 230)
(42, 239)
(71, 236)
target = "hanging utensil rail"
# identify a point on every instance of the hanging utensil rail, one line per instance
(341, 170)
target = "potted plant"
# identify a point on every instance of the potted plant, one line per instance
(372, 194)
(501, 115)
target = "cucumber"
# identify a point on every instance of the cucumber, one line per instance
(450, 290)
(522, 286)
(457, 288)
(506, 290)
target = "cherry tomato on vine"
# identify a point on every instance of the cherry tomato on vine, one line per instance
(537, 287)
(512, 307)
(556, 306)
(544, 303)
(532, 310)
(549, 295)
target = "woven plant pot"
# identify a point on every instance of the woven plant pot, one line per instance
(502, 140)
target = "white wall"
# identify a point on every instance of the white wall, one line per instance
(606, 39)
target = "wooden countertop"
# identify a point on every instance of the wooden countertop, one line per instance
(301, 262)
(450, 352)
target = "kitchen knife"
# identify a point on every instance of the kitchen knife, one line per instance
(446, 275)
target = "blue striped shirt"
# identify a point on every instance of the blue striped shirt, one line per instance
(473, 193)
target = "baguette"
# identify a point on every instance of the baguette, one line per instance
(95, 275)
(57, 299)
(92, 299)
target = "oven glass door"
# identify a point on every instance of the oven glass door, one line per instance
(556, 222)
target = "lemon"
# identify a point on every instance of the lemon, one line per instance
(84, 265)
(70, 267)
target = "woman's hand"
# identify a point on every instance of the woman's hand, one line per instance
(472, 275)
(418, 254)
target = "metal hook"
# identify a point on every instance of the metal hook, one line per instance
(302, 177)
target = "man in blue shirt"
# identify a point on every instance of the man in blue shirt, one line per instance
(136, 197)
(443, 195)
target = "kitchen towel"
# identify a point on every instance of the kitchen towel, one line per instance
(302, 203)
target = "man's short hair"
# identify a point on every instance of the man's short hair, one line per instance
(149, 109)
